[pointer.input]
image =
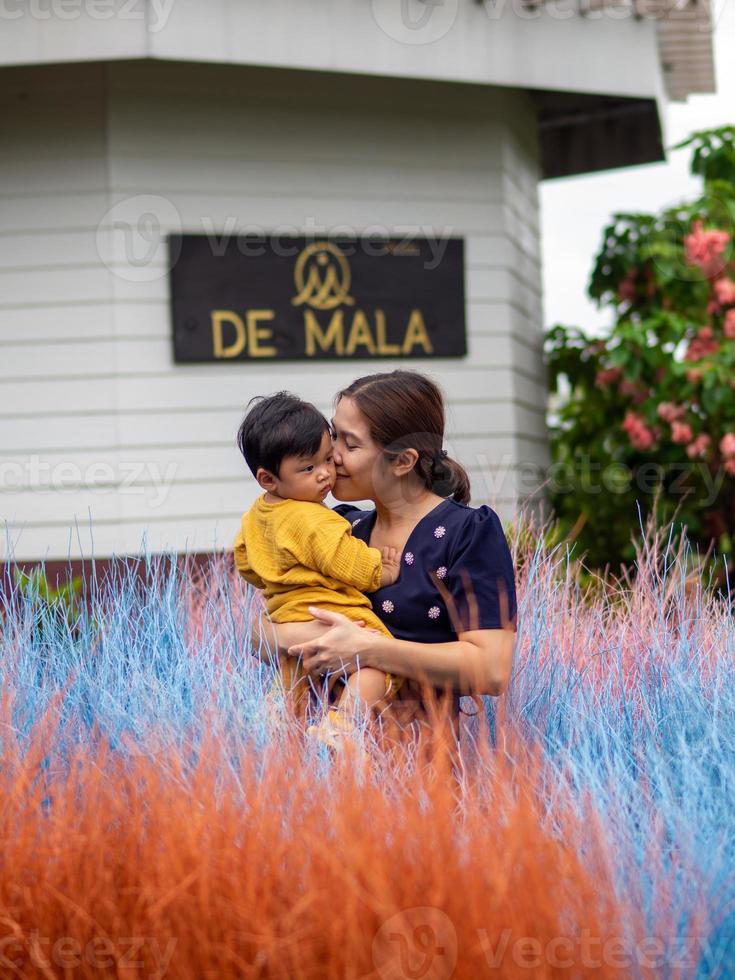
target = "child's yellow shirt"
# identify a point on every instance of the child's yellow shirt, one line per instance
(303, 554)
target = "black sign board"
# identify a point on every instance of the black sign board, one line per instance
(273, 297)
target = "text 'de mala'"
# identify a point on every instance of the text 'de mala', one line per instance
(255, 298)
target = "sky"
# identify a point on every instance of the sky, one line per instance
(574, 210)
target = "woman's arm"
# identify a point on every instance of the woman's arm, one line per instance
(477, 662)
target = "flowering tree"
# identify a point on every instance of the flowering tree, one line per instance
(649, 412)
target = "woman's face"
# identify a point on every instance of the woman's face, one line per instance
(359, 460)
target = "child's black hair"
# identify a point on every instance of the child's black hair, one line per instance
(276, 426)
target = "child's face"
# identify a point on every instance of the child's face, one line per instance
(302, 477)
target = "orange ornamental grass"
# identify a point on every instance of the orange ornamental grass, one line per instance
(223, 859)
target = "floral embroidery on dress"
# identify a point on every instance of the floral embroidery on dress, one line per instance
(440, 531)
(388, 606)
(434, 612)
(408, 557)
(441, 571)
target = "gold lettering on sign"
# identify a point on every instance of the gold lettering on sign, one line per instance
(384, 348)
(416, 334)
(314, 335)
(227, 316)
(332, 337)
(360, 335)
(255, 334)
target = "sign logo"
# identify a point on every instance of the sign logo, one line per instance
(322, 277)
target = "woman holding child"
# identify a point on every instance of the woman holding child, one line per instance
(449, 616)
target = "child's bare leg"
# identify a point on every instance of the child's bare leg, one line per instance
(289, 634)
(365, 688)
(298, 686)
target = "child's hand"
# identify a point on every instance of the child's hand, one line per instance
(391, 566)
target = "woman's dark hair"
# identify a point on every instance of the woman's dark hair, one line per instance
(405, 410)
(276, 426)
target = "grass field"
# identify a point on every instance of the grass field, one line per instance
(155, 821)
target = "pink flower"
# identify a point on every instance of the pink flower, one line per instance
(701, 345)
(725, 291)
(729, 325)
(730, 466)
(670, 412)
(727, 444)
(628, 388)
(705, 332)
(607, 376)
(694, 376)
(705, 248)
(644, 439)
(681, 432)
(698, 448)
(641, 437)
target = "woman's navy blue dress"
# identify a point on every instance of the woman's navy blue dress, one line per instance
(456, 574)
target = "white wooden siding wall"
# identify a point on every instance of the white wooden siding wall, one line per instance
(87, 378)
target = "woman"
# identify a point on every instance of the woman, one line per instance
(452, 611)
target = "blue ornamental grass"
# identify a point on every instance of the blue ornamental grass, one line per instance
(159, 818)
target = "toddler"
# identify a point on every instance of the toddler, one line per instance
(299, 551)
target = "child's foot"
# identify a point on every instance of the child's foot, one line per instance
(337, 730)
(273, 706)
(332, 728)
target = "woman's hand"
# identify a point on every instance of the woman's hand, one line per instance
(338, 647)
(289, 637)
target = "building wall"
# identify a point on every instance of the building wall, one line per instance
(87, 379)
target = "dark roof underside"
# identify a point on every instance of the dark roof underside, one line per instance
(585, 133)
